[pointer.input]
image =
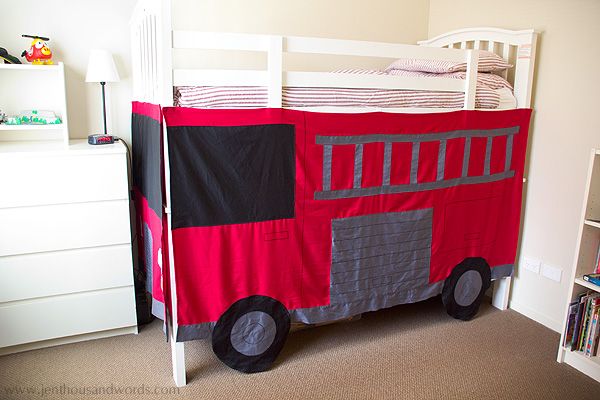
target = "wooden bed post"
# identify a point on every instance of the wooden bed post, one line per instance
(471, 79)
(164, 97)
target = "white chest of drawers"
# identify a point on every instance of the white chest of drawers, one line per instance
(65, 244)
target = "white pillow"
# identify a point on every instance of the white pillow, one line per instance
(488, 62)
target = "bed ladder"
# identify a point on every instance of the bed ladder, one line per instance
(328, 142)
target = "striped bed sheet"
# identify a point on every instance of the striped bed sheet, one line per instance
(490, 94)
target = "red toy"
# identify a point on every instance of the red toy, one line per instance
(39, 53)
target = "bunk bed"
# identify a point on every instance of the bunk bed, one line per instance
(443, 81)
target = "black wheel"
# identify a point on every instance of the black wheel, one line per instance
(464, 288)
(251, 333)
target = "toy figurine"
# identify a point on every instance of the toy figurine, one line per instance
(39, 53)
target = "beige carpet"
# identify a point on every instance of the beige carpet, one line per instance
(408, 352)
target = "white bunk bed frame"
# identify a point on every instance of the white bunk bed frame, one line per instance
(154, 77)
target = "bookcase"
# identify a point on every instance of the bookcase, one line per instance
(585, 261)
(40, 87)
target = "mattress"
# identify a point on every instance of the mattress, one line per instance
(490, 94)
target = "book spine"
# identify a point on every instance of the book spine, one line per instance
(592, 335)
(584, 325)
(577, 329)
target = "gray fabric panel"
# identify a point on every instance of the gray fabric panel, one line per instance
(467, 288)
(379, 255)
(148, 256)
(373, 224)
(418, 187)
(466, 157)
(253, 333)
(387, 163)
(334, 312)
(349, 270)
(372, 268)
(441, 161)
(351, 249)
(192, 332)
(509, 147)
(502, 271)
(488, 156)
(426, 137)
(158, 309)
(358, 157)
(414, 163)
(326, 168)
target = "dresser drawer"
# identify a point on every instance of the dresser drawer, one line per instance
(55, 179)
(64, 226)
(62, 272)
(66, 315)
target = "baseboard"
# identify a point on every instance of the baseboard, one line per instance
(66, 340)
(536, 316)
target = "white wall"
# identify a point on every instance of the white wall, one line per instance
(565, 127)
(74, 27)
(400, 21)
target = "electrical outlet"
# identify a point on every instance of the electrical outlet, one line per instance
(533, 265)
(551, 272)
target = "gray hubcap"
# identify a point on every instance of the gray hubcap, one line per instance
(467, 288)
(253, 333)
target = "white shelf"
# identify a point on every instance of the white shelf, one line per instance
(593, 223)
(31, 67)
(49, 127)
(587, 284)
(27, 86)
(584, 262)
(588, 365)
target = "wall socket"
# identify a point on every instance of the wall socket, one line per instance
(546, 270)
(533, 265)
(551, 272)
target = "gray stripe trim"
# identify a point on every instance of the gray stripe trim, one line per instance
(414, 162)
(441, 161)
(158, 309)
(423, 137)
(419, 187)
(358, 157)
(488, 156)
(466, 157)
(502, 271)
(334, 312)
(327, 167)
(387, 163)
(192, 332)
(509, 147)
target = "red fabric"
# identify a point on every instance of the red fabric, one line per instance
(290, 259)
(148, 109)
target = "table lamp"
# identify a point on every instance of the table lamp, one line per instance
(101, 68)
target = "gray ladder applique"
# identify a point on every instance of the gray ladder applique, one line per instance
(414, 185)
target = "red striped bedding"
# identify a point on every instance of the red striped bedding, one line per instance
(488, 95)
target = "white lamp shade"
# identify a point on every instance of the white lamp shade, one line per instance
(101, 67)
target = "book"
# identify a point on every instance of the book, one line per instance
(593, 332)
(596, 338)
(592, 278)
(578, 317)
(587, 339)
(597, 265)
(568, 339)
(589, 303)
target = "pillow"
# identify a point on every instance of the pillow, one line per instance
(485, 78)
(488, 62)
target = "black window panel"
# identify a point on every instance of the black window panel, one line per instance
(231, 175)
(146, 149)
